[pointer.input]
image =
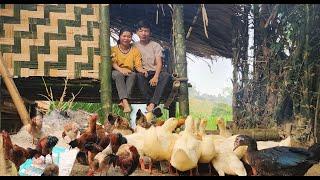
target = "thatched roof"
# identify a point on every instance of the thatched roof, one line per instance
(219, 25)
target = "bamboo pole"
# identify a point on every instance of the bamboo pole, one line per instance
(180, 56)
(105, 54)
(14, 93)
(245, 71)
(316, 115)
(0, 102)
(258, 134)
(235, 64)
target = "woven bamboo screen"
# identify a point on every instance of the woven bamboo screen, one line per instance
(50, 40)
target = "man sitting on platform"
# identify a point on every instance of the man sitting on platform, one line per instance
(151, 85)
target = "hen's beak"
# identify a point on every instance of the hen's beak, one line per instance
(236, 145)
(63, 135)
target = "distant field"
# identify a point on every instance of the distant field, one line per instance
(210, 110)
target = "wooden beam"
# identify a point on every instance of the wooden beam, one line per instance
(105, 55)
(14, 93)
(180, 56)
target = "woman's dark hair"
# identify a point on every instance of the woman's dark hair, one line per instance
(122, 30)
(143, 24)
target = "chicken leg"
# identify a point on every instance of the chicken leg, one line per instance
(142, 164)
(197, 172)
(210, 168)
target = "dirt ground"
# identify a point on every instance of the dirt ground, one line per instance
(53, 125)
(81, 170)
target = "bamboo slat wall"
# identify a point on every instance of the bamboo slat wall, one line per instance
(50, 40)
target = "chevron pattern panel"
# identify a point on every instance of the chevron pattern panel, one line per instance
(57, 40)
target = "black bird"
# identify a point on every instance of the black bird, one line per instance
(278, 161)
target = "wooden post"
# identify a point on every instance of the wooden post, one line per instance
(180, 56)
(172, 109)
(14, 93)
(0, 103)
(105, 54)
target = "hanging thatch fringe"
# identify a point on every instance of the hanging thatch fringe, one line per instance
(205, 19)
(193, 22)
(157, 14)
(219, 43)
(170, 6)
(162, 10)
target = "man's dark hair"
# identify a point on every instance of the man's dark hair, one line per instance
(143, 24)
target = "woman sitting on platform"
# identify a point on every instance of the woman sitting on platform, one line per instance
(125, 59)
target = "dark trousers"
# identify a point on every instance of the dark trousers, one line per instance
(152, 94)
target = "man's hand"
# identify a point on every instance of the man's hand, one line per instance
(154, 81)
(125, 71)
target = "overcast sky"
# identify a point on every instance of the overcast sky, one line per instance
(208, 81)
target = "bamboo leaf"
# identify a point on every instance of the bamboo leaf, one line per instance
(170, 6)
(64, 92)
(51, 94)
(45, 85)
(45, 97)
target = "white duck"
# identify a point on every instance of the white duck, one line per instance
(186, 151)
(159, 141)
(208, 151)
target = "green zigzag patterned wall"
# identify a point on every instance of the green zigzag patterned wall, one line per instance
(50, 40)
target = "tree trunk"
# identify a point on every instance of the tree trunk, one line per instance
(180, 56)
(105, 55)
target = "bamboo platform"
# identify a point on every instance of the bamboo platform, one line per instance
(258, 134)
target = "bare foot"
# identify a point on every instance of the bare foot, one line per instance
(126, 106)
(120, 105)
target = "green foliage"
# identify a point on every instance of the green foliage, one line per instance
(210, 107)
(222, 110)
(204, 109)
